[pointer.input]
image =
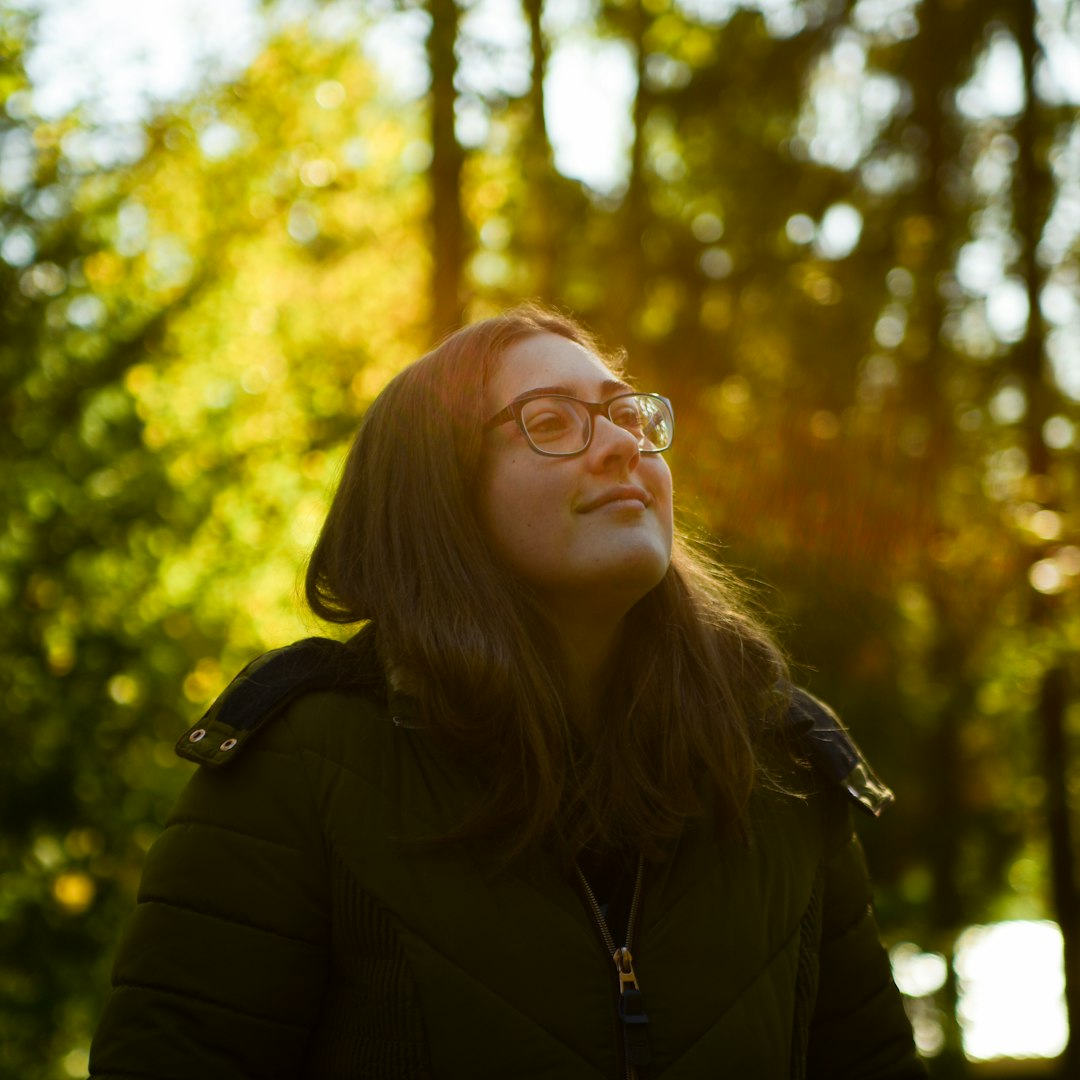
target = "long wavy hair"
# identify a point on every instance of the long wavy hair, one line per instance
(402, 548)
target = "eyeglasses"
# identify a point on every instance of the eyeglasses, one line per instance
(559, 426)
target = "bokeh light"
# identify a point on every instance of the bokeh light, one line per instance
(1010, 988)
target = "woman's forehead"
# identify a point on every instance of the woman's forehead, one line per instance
(548, 362)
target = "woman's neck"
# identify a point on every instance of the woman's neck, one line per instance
(590, 647)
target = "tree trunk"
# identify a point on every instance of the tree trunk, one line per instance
(540, 228)
(1053, 700)
(1031, 207)
(446, 219)
(934, 218)
(626, 295)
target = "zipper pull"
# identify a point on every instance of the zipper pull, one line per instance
(632, 1013)
(624, 965)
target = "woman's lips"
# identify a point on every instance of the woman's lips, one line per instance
(623, 493)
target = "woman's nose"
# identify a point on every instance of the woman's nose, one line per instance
(611, 442)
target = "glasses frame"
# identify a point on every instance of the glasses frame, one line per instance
(593, 408)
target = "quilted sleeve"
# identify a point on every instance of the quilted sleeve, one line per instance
(859, 1029)
(221, 969)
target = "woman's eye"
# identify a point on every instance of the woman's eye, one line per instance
(629, 417)
(547, 425)
(542, 423)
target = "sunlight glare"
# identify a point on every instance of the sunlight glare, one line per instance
(1007, 309)
(589, 89)
(1010, 985)
(997, 87)
(841, 227)
(123, 58)
(917, 973)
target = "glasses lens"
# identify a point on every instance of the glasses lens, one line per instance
(647, 417)
(556, 425)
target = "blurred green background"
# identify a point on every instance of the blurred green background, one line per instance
(842, 237)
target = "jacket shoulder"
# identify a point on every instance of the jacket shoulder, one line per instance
(269, 684)
(833, 752)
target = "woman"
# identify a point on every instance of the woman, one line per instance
(546, 815)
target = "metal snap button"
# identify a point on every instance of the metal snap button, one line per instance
(228, 744)
(197, 734)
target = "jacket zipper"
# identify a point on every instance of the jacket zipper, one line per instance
(635, 1035)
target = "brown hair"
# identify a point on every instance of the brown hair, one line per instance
(403, 548)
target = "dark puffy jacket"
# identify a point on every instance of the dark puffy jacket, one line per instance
(284, 930)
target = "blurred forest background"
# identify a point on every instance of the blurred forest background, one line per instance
(844, 240)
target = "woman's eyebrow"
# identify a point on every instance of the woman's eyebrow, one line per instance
(608, 388)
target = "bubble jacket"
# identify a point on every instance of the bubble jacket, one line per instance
(284, 930)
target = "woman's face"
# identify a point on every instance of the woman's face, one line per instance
(592, 531)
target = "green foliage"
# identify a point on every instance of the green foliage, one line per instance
(187, 340)
(187, 344)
